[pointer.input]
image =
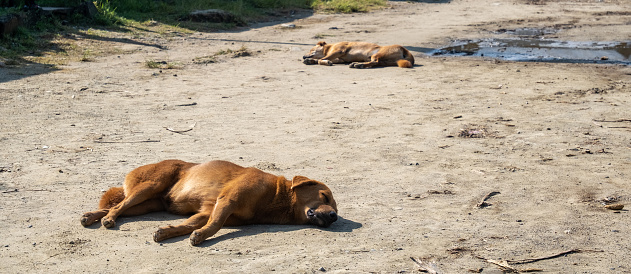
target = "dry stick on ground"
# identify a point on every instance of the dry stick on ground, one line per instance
(483, 203)
(505, 265)
(425, 267)
(576, 250)
(181, 131)
(187, 105)
(126, 142)
(613, 121)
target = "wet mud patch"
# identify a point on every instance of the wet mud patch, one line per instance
(540, 50)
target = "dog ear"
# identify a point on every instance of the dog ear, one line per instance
(301, 181)
(321, 43)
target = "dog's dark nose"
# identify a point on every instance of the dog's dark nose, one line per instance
(333, 216)
(304, 57)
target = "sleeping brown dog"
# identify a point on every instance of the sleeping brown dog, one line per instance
(359, 54)
(217, 193)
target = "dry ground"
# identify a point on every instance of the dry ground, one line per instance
(395, 145)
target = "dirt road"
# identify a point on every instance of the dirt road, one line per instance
(408, 153)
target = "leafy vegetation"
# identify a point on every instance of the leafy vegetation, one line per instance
(43, 34)
(347, 6)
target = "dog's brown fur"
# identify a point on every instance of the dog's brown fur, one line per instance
(359, 54)
(217, 193)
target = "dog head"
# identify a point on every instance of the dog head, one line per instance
(313, 202)
(316, 52)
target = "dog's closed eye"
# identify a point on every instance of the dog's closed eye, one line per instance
(325, 198)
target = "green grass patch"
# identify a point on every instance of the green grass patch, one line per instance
(131, 19)
(347, 6)
(161, 65)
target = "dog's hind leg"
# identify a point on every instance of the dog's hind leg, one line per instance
(145, 207)
(374, 61)
(110, 198)
(89, 218)
(140, 193)
(194, 222)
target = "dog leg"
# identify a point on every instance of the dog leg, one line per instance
(153, 205)
(332, 58)
(89, 218)
(142, 192)
(223, 209)
(310, 61)
(325, 62)
(92, 217)
(194, 222)
(374, 61)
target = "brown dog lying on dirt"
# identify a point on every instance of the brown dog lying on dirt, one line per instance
(217, 193)
(359, 54)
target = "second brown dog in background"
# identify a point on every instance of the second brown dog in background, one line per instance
(359, 54)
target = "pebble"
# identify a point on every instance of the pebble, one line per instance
(615, 206)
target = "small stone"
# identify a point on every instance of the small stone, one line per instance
(615, 206)
(322, 269)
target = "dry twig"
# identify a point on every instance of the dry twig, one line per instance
(181, 131)
(483, 203)
(576, 250)
(187, 105)
(505, 264)
(613, 121)
(425, 267)
(126, 142)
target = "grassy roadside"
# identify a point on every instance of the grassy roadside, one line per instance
(54, 41)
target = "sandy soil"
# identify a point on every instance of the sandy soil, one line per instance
(395, 145)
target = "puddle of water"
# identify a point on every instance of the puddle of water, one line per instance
(541, 50)
(525, 32)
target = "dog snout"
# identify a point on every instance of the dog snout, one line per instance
(333, 216)
(305, 57)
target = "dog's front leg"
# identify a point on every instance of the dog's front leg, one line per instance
(223, 209)
(194, 222)
(310, 61)
(330, 58)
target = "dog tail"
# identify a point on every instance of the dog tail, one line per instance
(404, 63)
(112, 197)
(408, 59)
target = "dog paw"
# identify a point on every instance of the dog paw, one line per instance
(196, 238)
(159, 236)
(325, 62)
(87, 220)
(309, 61)
(108, 223)
(357, 65)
